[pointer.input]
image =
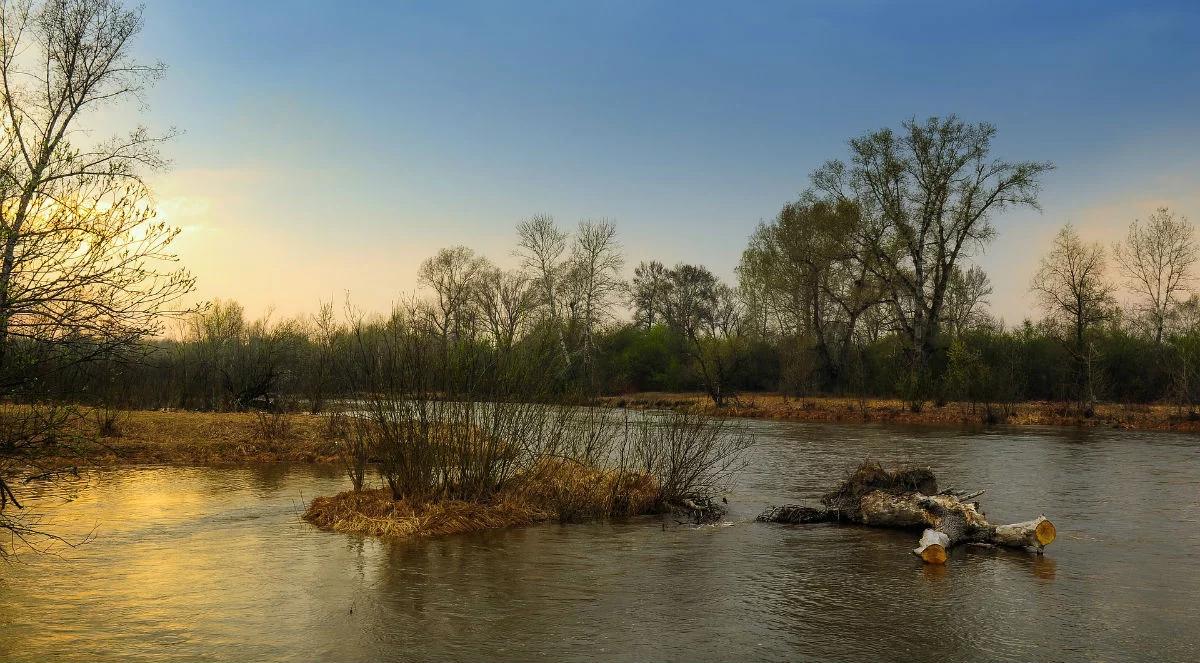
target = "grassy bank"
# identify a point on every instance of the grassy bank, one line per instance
(855, 410)
(95, 437)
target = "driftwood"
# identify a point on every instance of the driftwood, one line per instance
(910, 499)
(697, 510)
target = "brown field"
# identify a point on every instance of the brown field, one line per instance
(855, 410)
(195, 438)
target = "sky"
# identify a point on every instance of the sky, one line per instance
(328, 147)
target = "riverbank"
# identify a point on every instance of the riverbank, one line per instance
(104, 438)
(881, 410)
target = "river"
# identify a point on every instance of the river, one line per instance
(203, 564)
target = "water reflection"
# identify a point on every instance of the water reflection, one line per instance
(211, 564)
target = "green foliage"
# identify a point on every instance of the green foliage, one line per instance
(636, 359)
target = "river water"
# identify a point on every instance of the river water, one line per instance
(201, 564)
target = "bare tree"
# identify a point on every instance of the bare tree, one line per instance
(454, 274)
(542, 248)
(85, 267)
(646, 291)
(81, 253)
(506, 300)
(243, 364)
(1156, 259)
(323, 333)
(595, 281)
(927, 195)
(1071, 286)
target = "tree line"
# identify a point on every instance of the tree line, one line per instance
(812, 311)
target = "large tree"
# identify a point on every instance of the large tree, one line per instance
(927, 194)
(646, 291)
(813, 278)
(505, 300)
(85, 267)
(82, 257)
(575, 289)
(455, 275)
(1156, 259)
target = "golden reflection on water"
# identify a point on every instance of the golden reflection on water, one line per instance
(935, 572)
(1044, 567)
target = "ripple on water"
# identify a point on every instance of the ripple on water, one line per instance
(215, 564)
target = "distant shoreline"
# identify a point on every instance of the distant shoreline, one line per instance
(182, 437)
(837, 409)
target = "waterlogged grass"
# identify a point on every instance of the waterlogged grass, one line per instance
(375, 513)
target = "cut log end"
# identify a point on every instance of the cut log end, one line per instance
(933, 554)
(1045, 532)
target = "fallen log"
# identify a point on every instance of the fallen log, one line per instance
(909, 499)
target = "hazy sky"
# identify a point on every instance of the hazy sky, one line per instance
(331, 146)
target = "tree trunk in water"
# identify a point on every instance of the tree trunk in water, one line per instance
(875, 497)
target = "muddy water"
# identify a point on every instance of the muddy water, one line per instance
(215, 565)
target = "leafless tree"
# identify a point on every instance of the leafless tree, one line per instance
(595, 281)
(243, 364)
(1072, 288)
(323, 332)
(1156, 259)
(85, 267)
(454, 275)
(505, 300)
(646, 290)
(83, 257)
(542, 247)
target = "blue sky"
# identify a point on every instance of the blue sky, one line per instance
(329, 147)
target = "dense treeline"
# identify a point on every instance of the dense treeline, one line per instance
(862, 286)
(287, 365)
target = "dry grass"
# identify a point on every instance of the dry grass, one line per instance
(555, 490)
(837, 409)
(573, 492)
(375, 513)
(200, 438)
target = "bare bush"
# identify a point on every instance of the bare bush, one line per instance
(273, 426)
(693, 457)
(108, 421)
